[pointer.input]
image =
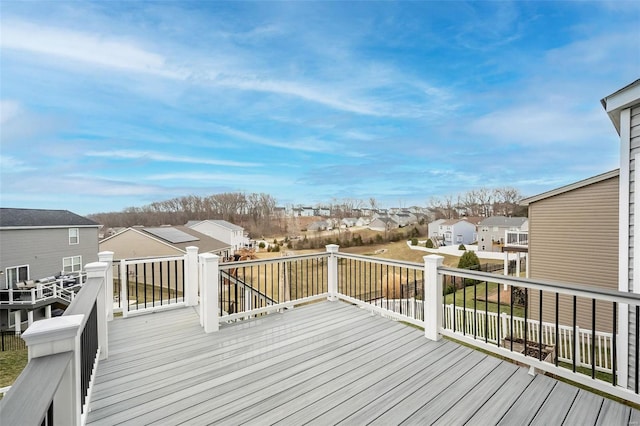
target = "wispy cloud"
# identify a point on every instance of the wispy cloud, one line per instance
(91, 48)
(155, 156)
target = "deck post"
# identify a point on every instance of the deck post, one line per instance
(17, 319)
(191, 276)
(210, 287)
(332, 272)
(432, 297)
(53, 336)
(100, 270)
(107, 257)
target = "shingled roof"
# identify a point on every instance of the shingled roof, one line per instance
(38, 218)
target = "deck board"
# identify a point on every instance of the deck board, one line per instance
(324, 363)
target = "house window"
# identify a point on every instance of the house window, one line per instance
(72, 264)
(74, 236)
(16, 274)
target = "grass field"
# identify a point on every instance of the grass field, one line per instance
(11, 365)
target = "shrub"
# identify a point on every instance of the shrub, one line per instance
(429, 243)
(462, 247)
(276, 248)
(449, 289)
(469, 260)
(414, 241)
(261, 245)
(275, 241)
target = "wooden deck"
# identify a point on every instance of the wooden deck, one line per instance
(325, 363)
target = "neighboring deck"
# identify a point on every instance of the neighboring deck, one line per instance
(324, 363)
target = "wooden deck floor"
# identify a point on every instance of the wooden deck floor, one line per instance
(325, 363)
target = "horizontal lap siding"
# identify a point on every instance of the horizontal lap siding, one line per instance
(573, 237)
(634, 147)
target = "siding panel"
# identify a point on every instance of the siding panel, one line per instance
(573, 237)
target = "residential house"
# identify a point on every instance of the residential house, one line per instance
(434, 228)
(573, 238)
(348, 222)
(38, 243)
(139, 242)
(383, 223)
(35, 244)
(307, 211)
(456, 231)
(363, 221)
(323, 211)
(232, 235)
(491, 231)
(623, 108)
(320, 225)
(404, 219)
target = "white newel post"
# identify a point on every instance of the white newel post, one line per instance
(107, 257)
(332, 272)
(29, 317)
(99, 270)
(210, 288)
(432, 297)
(191, 276)
(53, 336)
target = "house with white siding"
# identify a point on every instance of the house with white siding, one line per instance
(456, 231)
(224, 231)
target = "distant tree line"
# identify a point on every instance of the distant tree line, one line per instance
(483, 202)
(252, 211)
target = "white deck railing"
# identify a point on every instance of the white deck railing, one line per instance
(55, 386)
(516, 238)
(406, 291)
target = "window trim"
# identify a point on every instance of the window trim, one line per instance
(72, 264)
(6, 274)
(76, 236)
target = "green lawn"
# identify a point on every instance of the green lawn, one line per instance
(11, 365)
(468, 294)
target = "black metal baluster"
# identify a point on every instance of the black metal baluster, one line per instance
(540, 328)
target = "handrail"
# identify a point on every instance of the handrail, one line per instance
(245, 286)
(237, 264)
(561, 288)
(31, 407)
(63, 354)
(381, 261)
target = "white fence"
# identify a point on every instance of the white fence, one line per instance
(491, 322)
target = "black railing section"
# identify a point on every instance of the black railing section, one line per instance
(576, 331)
(48, 417)
(150, 284)
(396, 287)
(249, 285)
(88, 352)
(9, 341)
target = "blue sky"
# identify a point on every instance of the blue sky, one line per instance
(106, 105)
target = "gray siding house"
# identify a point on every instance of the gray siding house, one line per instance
(623, 108)
(35, 244)
(39, 243)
